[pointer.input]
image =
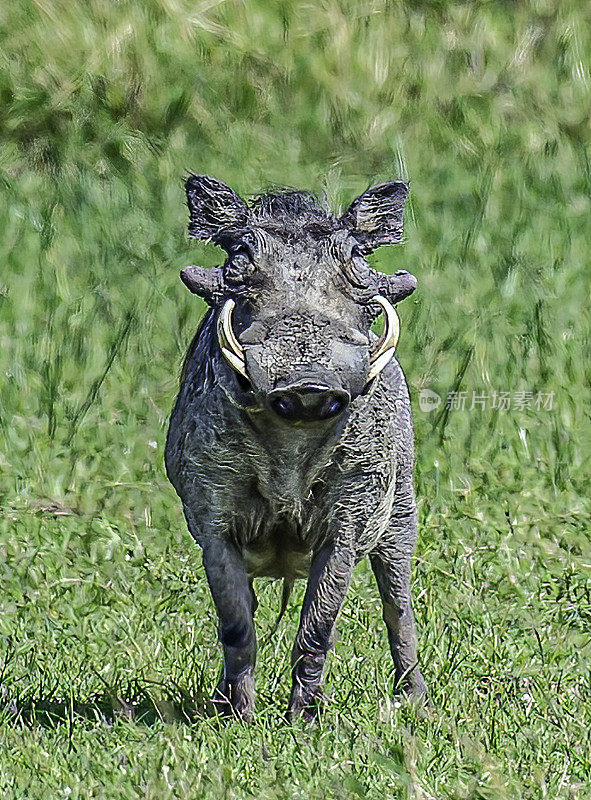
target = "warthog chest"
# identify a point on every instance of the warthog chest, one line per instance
(278, 543)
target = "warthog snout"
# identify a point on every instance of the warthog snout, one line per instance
(306, 402)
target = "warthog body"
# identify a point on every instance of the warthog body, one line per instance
(291, 442)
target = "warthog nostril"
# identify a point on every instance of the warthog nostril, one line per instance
(308, 404)
(284, 406)
(332, 406)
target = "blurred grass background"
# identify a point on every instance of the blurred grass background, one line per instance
(104, 107)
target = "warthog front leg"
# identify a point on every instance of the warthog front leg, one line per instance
(329, 579)
(235, 602)
(392, 572)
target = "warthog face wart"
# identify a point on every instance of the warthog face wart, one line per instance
(290, 443)
(297, 297)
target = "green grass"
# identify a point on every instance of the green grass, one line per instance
(107, 633)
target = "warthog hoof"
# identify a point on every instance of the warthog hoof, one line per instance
(235, 697)
(413, 687)
(305, 703)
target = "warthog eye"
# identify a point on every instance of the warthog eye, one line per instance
(241, 251)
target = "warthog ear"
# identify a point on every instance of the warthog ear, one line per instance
(375, 217)
(214, 209)
(206, 282)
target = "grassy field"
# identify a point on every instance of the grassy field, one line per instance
(107, 634)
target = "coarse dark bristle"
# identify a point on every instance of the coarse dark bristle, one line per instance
(288, 213)
(289, 203)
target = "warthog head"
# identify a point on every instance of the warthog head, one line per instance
(296, 296)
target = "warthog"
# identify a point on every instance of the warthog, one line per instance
(291, 440)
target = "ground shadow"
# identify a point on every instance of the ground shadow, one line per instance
(141, 704)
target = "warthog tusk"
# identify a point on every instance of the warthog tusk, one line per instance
(388, 341)
(229, 344)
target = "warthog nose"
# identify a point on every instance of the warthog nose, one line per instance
(308, 403)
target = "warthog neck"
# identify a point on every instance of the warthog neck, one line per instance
(289, 459)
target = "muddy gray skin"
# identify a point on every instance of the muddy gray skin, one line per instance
(299, 467)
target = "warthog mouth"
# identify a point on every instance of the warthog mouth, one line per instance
(380, 356)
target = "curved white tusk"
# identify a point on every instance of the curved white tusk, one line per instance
(225, 324)
(387, 344)
(230, 346)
